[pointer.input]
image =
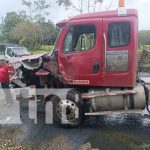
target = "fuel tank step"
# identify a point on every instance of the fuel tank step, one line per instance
(116, 112)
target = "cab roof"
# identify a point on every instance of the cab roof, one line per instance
(102, 14)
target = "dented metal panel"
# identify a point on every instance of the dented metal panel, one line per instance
(22, 64)
(51, 65)
(29, 62)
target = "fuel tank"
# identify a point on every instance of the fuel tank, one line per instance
(120, 102)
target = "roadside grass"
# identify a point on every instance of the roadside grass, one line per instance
(147, 65)
(42, 49)
(8, 138)
(144, 147)
(9, 141)
(109, 139)
(147, 61)
(147, 47)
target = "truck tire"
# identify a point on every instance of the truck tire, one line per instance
(68, 112)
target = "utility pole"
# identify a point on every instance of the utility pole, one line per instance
(100, 3)
(2, 25)
(88, 6)
(81, 10)
(95, 1)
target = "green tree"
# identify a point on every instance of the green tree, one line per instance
(70, 4)
(29, 28)
(86, 5)
(32, 35)
(27, 33)
(47, 33)
(65, 3)
(10, 21)
(144, 37)
(38, 10)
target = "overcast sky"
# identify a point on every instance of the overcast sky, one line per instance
(58, 13)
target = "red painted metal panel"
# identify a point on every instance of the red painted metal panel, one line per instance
(42, 72)
(128, 78)
(76, 68)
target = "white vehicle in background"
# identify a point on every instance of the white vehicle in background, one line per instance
(3, 47)
(14, 52)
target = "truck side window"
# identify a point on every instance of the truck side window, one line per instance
(119, 34)
(9, 52)
(80, 38)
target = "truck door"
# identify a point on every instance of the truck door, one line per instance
(119, 51)
(80, 58)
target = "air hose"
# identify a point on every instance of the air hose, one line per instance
(147, 108)
(147, 99)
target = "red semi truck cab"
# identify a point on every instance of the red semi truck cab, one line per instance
(99, 49)
(94, 62)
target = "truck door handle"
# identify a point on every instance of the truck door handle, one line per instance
(96, 67)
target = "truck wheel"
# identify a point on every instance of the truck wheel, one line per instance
(67, 112)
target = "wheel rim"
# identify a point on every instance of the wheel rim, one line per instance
(66, 110)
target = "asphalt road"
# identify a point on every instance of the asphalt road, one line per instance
(125, 132)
